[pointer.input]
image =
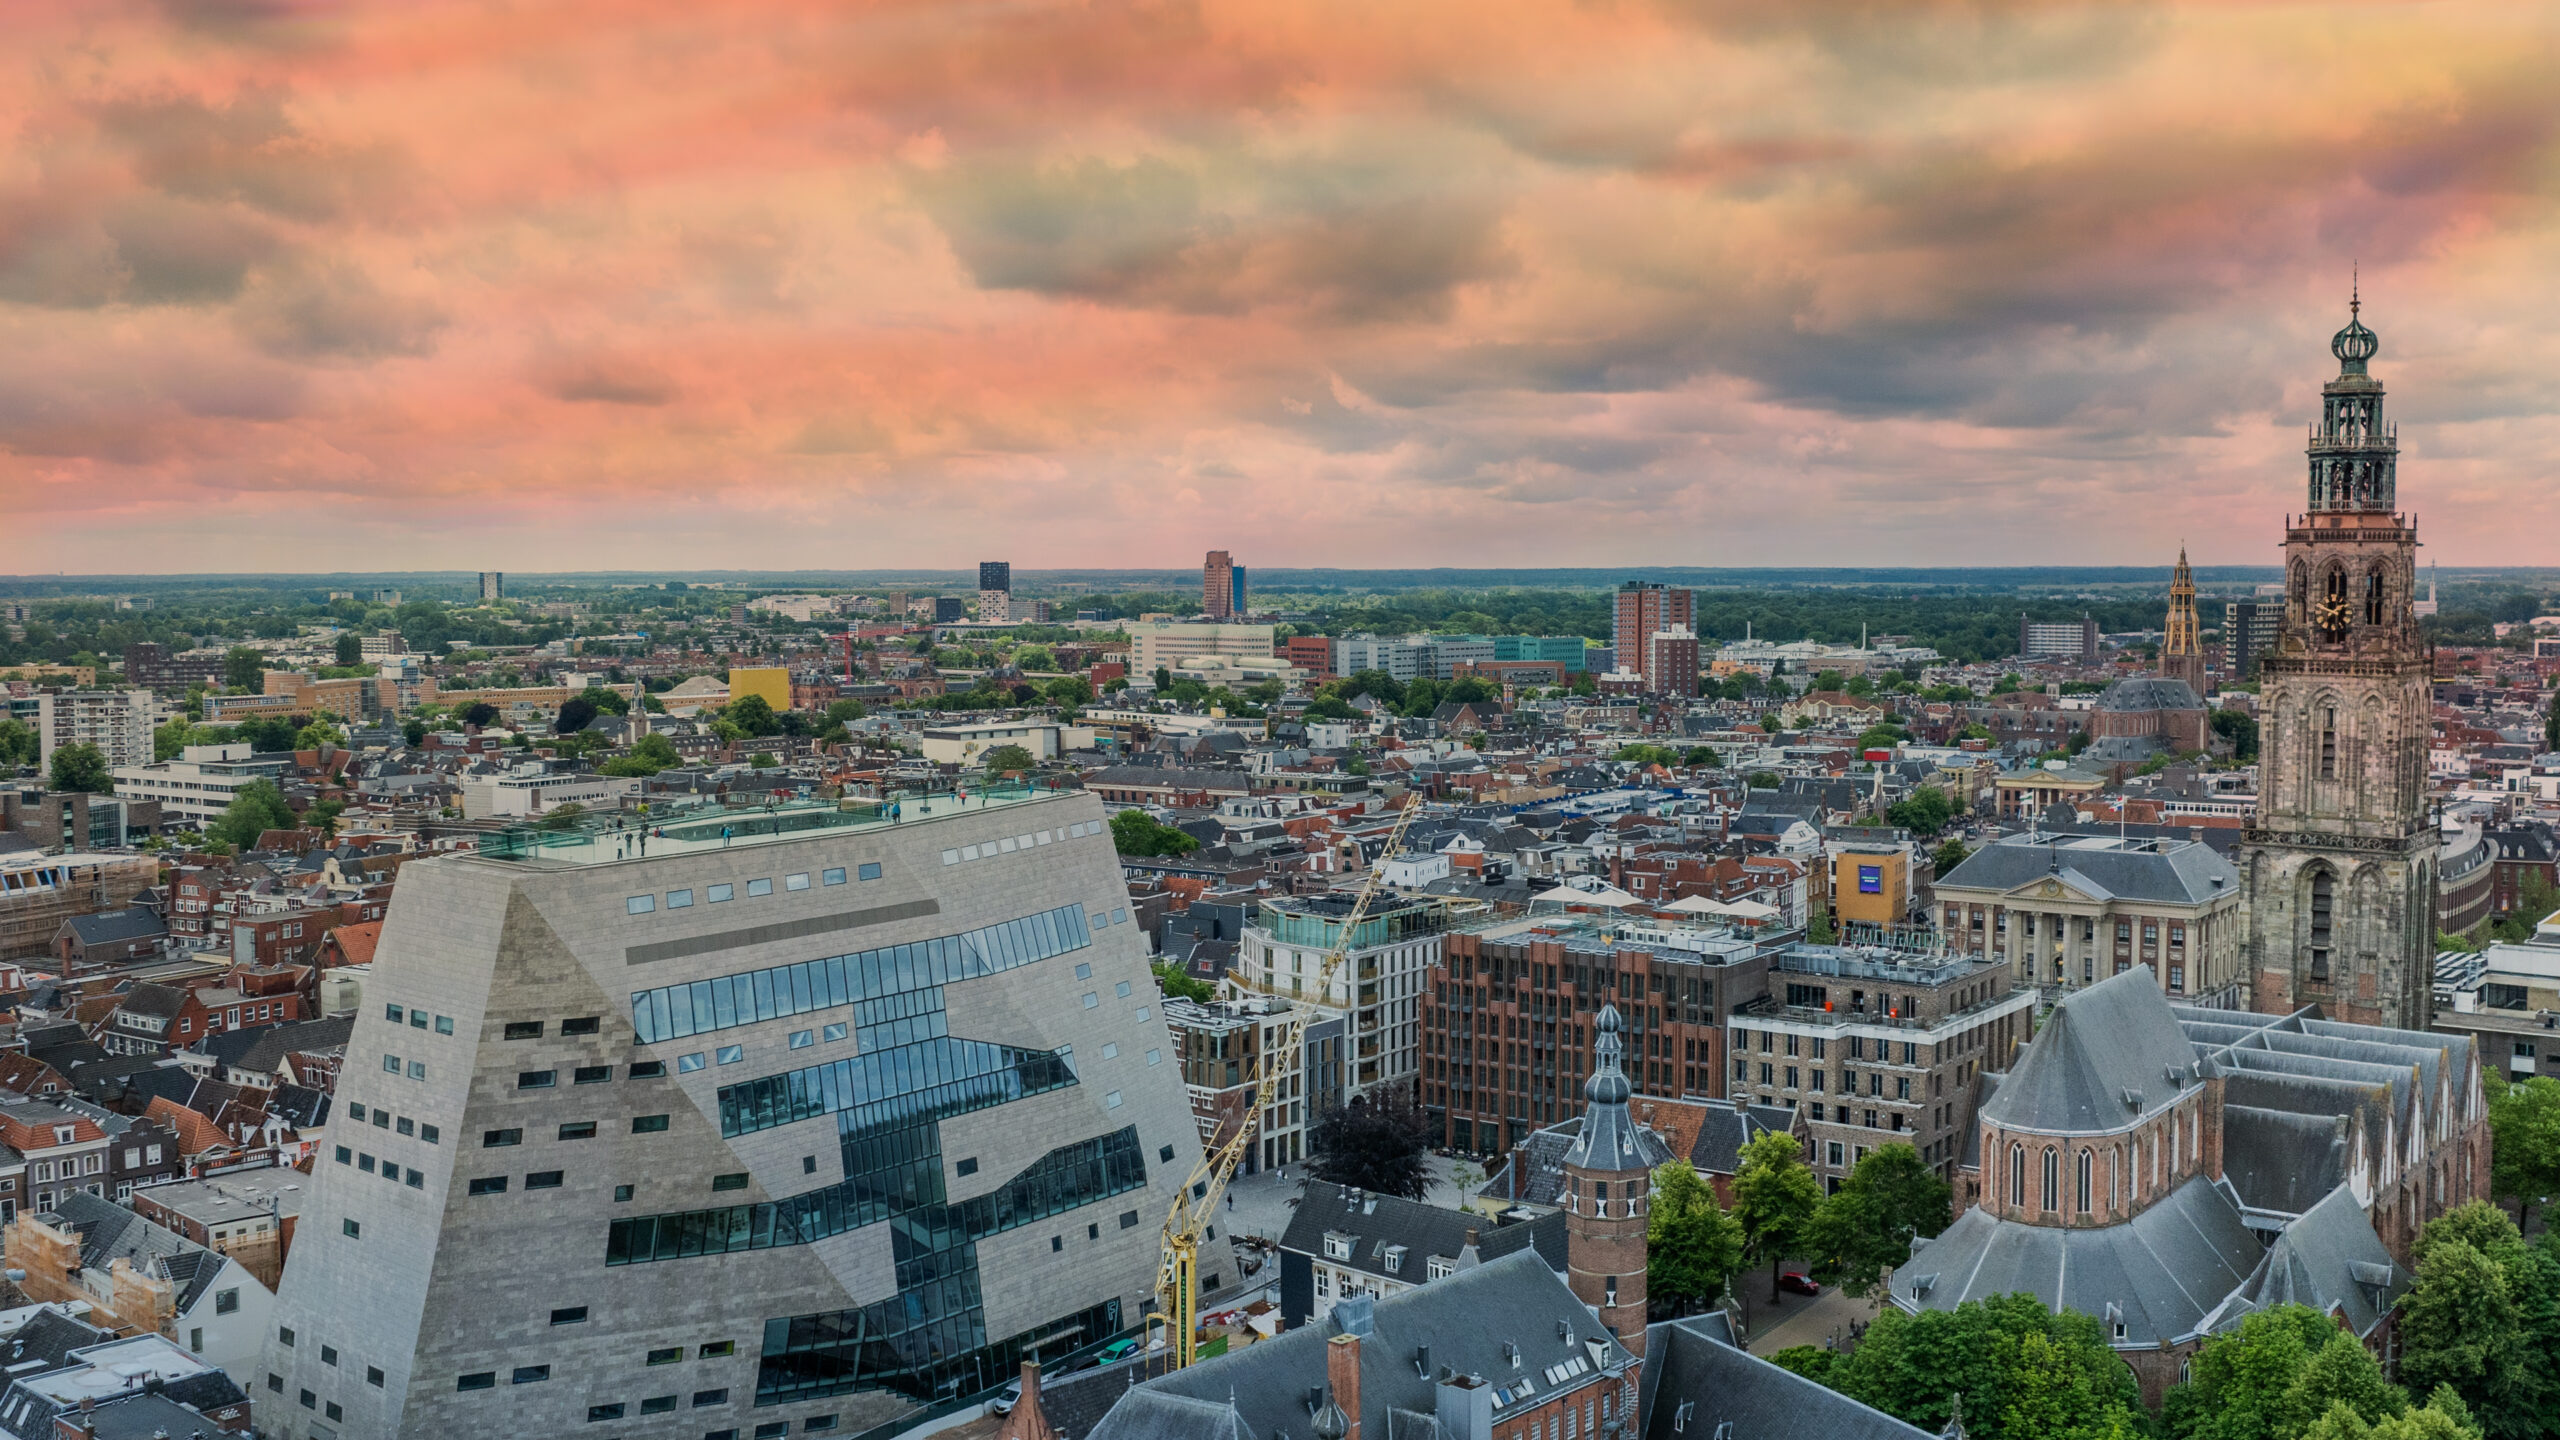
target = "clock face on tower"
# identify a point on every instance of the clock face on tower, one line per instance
(2329, 618)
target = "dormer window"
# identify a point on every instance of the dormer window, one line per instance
(62, 1134)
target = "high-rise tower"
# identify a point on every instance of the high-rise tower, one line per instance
(2181, 653)
(2340, 866)
(1608, 1192)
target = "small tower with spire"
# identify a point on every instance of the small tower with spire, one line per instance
(1607, 1195)
(2181, 652)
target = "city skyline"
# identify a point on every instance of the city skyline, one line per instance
(785, 287)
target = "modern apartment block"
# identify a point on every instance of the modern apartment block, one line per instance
(2069, 640)
(1507, 1017)
(118, 722)
(1875, 1047)
(1221, 587)
(199, 785)
(1646, 610)
(493, 585)
(995, 590)
(1378, 992)
(753, 1123)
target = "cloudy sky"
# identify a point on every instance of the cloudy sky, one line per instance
(543, 285)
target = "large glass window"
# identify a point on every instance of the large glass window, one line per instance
(674, 1011)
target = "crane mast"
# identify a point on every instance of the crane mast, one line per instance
(1178, 1274)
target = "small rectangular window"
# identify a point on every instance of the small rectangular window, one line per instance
(819, 1422)
(705, 1398)
(355, 1111)
(406, 1126)
(660, 1404)
(531, 1374)
(1128, 1219)
(345, 1156)
(417, 1018)
(489, 1185)
(966, 1167)
(444, 1024)
(381, 1118)
(591, 1075)
(717, 1350)
(284, 1336)
(648, 1070)
(350, 1228)
(648, 1124)
(542, 1180)
(870, 871)
(833, 1032)
(803, 1039)
(640, 904)
(578, 1130)
(670, 1355)
(582, 1025)
(604, 1412)
(831, 877)
(524, 1030)
(430, 1133)
(796, 882)
(364, 1163)
(478, 1380)
(391, 1064)
(537, 1079)
(1084, 972)
(733, 1181)
(328, 1354)
(392, 1014)
(679, 899)
(687, 1064)
(717, 893)
(759, 887)
(732, 1054)
(373, 1376)
(417, 1069)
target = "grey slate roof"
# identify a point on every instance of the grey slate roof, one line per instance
(2329, 1259)
(1382, 1221)
(115, 927)
(2165, 1270)
(2111, 1052)
(1467, 1321)
(109, 1232)
(2282, 1160)
(1695, 1382)
(2179, 872)
(2149, 692)
(1609, 1140)
(1726, 1128)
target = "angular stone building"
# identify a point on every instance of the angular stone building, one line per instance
(2171, 1170)
(774, 1120)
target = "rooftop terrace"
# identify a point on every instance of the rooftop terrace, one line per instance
(684, 826)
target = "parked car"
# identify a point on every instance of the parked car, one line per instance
(1116, 1351)
(1006, 1399)
(1798, 1283)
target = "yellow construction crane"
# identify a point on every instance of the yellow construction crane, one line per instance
(1178, 1276)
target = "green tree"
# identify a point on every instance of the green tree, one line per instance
(1172, 981)
(1692, 1247)
(1775, 1197)
(2524, 1156)
(1135, 832)
(1068, 691)
(2551, 723)
(478, 712)
(82, 769)
(753, 715)
(323, 730)
(2241, 729)
(1926, 812)
(563, 816)
(576, 713)
(19, 743)
(1865, 1229)
(1948, 856)
(2274, 1376)
(1007, 759)
(845, 712)
(762, 760)
(1376, 1143)
(1818, 929)
(255, 809)
(1764, 780)
(244, 670)
(2443, 1417)
(350, 650)
(649, 755)
(323, 816)
(1914, 1366)
(1702, 757)
(2459, 1327)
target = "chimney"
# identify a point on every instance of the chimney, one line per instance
(1342, 1371)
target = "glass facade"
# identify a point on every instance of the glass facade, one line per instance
(672, 1012)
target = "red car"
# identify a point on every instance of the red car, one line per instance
(1797, 1282)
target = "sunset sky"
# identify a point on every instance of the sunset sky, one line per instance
(542, 285)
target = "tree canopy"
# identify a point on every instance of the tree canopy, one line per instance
(1376, 1142)
(1135, 832)
(2524, 1157)
(1692, 1247)
(1008, 759)
(255, 809)
(81, 769)
(1862, 1231)
(1172, 980)
(1774, 1197)
(2025, 1372)
(2282, 1370)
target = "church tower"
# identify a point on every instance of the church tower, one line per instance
(2340, 866)
(1607, 1195)
(2181, 653)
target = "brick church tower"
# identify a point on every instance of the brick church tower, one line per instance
(1607, 1195)
(2340, 865)
(2181, 651)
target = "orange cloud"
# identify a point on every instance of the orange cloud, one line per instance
(1547, 283)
